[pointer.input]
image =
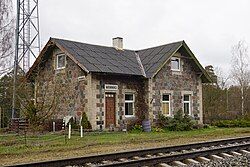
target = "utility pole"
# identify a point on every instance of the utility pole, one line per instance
(27, 41)
(0, 118)
(227, 99)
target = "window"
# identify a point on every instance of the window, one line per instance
(61, 61)
(175, 64)
(166, 104)
(129, 104)
(187, 104)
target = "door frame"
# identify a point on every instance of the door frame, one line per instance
(114, 94)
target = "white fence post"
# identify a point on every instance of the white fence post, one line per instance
(81, 131)
(69, 131)
(54, 127)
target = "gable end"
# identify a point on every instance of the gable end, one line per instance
(50, 46)
(203, 74)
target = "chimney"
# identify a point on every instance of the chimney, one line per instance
(118, 43)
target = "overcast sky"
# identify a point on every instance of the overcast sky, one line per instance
(209, 27)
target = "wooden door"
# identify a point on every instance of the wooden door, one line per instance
(110, 109)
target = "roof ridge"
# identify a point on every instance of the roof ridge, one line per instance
(135, 50)
(89, 43)
(161, 45)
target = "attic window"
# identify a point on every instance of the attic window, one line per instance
(175, 64)
(60, 61)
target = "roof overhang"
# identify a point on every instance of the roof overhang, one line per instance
(50, 45)
(162, 65)
(203, 75)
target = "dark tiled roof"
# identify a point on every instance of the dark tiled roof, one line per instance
(104, 59)
(153, 58)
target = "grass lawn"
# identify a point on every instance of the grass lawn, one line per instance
(52, 146)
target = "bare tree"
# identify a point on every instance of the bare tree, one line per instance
(38, 97)
(6, 35)
(240, 70)
(38, 105)
(222, 78)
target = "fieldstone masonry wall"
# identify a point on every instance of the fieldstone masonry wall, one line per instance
(177, 84)
(62, 85)
(125, 84)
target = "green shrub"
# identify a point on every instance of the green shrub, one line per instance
(75, 124)
(136, 129)
(232, 123)
(131, 123)
(179, 122)
(200, 126)
(163, 121)
(157, 129)
(85, 122)
(206, 126)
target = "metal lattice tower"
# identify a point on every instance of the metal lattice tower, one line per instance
(28, 32)
(27, 39)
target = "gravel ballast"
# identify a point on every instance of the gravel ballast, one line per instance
(236, 161)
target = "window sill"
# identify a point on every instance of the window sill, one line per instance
(190, 115)
(171, 116)
(175, 72)
(129, 116)
(60, 68)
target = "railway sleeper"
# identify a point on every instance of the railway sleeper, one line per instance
(136, 158)
(160, 154)
(163, 165)
(226, 155)
(123, 160)
(148, 156)
(178, 163)
(236, 153)
(245, 152)
(106, 162)
(89, 165)
(191, 161)
(203, 159)
(216, 157)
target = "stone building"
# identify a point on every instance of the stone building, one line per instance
(112, 84)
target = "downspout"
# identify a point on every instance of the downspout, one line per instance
(101, 96)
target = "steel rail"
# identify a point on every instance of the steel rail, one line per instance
(129, 154)
(177, 157)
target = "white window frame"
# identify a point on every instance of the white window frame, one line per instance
(179, 66)
(57, 56)
(129, 101)
(187, 102)
(169, 105)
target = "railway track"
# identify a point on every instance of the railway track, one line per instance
(163, 156)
